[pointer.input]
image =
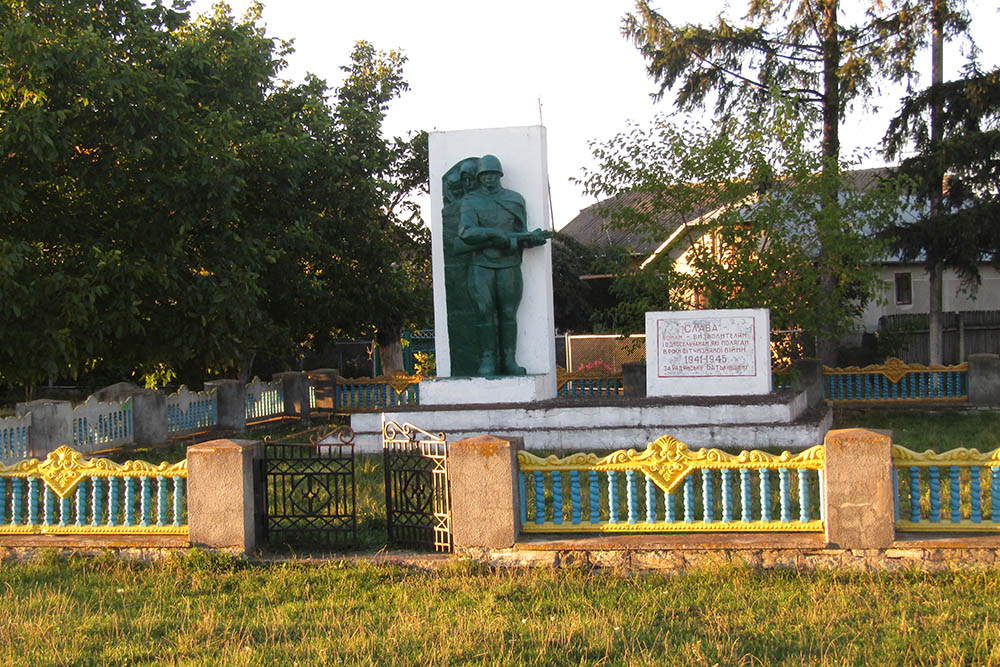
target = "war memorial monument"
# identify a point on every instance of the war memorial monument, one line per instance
(708, 372)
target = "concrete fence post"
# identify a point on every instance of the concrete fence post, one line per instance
(295, 387)
(485, 497)
(858, 503)
(231, 396)
(51, 425)
(984, 379)
(149, 411)
(222, 503)
(809, 379)
(324, 380)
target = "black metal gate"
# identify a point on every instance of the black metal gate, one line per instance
(309, 492)
(417, 492)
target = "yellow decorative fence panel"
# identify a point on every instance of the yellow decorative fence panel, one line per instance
(67, 494)
(668, 488)
(953, 491)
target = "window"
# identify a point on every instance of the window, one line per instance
(904, 289)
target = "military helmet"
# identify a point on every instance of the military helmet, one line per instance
(489, 163)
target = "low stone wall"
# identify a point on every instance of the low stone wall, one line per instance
(901, 557)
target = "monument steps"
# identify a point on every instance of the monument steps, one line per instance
(783, 420)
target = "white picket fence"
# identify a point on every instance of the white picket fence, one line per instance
(14, 438)
(189, 411)
(97, 425)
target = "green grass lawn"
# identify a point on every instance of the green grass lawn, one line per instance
(214, 610)
(939, 430)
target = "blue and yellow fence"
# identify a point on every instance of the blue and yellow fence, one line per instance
(580, 384)
(895, 380)
(957, 490)
(67, 494)
(658, 490)
(367, 394)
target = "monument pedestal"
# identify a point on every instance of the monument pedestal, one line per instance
(487, 390)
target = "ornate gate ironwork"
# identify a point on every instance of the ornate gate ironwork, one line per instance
(309, 492)
(417, 492)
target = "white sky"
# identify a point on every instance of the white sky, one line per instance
(474, 64)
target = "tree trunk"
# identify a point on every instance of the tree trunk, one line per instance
(826, 342)
(390, 350)
(246, 368)
(935, 272)
(935, 314)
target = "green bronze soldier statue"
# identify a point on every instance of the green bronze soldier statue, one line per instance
(493, 225)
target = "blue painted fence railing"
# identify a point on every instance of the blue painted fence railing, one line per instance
(66, 493)
(896, 380)
(707, 490)
(189, 411)
(957, 490)
(365, 394)
(14, 432)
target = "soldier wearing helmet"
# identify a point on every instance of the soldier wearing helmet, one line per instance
(493, 223)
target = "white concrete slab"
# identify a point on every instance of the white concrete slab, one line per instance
(708, 352)
(491, 390)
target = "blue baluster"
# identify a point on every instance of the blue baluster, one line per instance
(975, 496)
(65, 509)
(539, 498)
(934, 479)
(914, 494)
(821, 478)
(524, 499)
(17, 501)
(995, 495)
(96, 501)
(746, 506)
(632, 491)
(840, 386)
(3, 500)
(613, 496)
(34, 485)
(595, 497)
(951, 384)
(668, 507)
(129, 501)
(727, 496)
(786, 495)
(81, 502)
(50, 506)
(689, 499)
(804, 495)
(179, 500)
(557, 497)
(895, 491)
(765, 494)
(955, 501)
(574, 495)
(112, 501)
(161, 501)
(146, 498)
(707, 513)
(650, 500)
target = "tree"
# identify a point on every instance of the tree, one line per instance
(959, 228)
(799, 49)
(169, 205)
(751, 190)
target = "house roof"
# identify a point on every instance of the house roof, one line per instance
(592, 226)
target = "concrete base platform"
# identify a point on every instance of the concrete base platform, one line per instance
(489, 390)
(782, 420)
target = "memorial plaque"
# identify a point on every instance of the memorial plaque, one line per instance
(708, 353)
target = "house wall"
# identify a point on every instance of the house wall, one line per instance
(987, 297)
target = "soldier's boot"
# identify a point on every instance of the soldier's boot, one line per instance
(508, 347)
(487, 335)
